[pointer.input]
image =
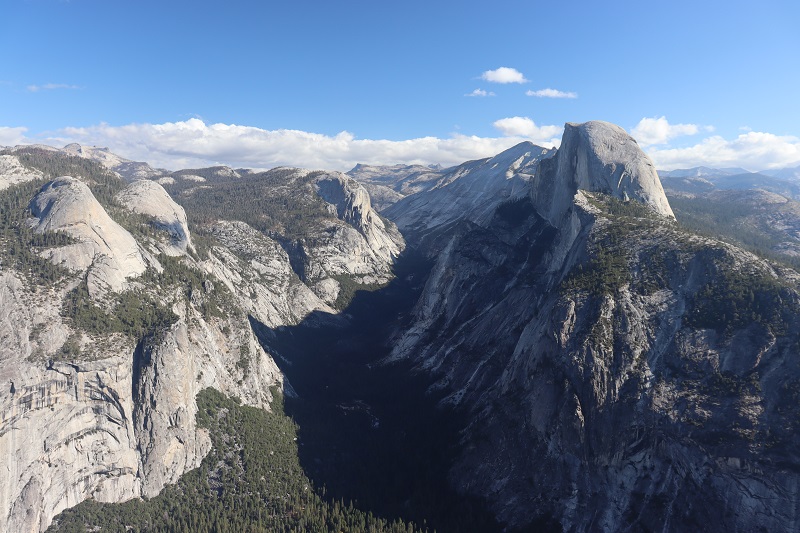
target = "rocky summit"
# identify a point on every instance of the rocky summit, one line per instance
(527, 342)
(598, 157)
(103, 248)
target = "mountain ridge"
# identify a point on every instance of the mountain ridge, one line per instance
(106, 357)
(610, 368)
(568, 338)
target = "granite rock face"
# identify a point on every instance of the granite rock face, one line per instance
(598, 157)
(324, 221)
(66, 430)
(602, 360)
(13, 172)
(118, 421)
(149, 198)
(104, 415)
(471, 191)
(194, 354)
(257, 268)
(353, 206)
(597, 410)
(104, 248)
(350, 243)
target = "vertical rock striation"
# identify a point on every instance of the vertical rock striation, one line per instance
(601, 157)
(615, 372)
(100, 414)
(471, 191)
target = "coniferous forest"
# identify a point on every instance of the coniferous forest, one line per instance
(251, 481)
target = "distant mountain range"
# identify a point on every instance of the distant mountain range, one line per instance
(708, 172)
(700, 172)
(784, 173)
(785, 182)
(542, 340)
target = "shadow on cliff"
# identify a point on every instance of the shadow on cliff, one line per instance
(370, 433)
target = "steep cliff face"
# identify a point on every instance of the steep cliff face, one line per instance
(336, 242)
(382, 242)
(601, 157)
(66, 436)
(616, 370)
(66, 431)
(105, 250)
(345, 244)
(258, 269)
(168, 372)
(633, 401)
(100, 367)
(471, 191)
(116, 421)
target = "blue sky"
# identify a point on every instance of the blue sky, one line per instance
(264, 83)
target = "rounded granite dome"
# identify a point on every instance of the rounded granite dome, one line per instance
(604, 158)
(601, 157)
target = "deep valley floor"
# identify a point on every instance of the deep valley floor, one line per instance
(370, 432)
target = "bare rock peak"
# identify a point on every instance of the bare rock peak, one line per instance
(617, 166)
(109, 253)
(598, 156)
(149, 198)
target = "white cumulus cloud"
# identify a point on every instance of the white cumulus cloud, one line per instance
(480, 92)
(527, 128)
(504, 75)
(193, 143)
(12, 136)
(551, 93)
(752, 150)
(654, 130)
